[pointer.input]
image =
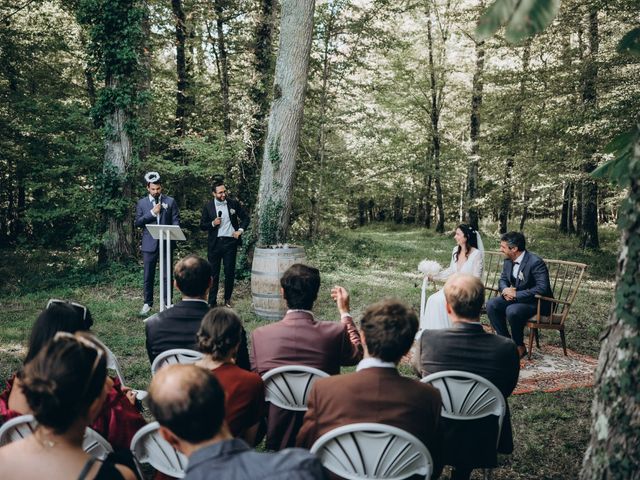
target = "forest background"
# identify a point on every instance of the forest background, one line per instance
(408, 118)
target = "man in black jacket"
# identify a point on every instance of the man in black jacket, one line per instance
(225, 220)
(176, 327)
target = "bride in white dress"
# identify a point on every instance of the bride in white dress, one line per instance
(467, 257)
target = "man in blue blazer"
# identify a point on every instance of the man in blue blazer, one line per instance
(158, 209)
(524, 275)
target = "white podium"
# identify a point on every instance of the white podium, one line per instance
(164, 234)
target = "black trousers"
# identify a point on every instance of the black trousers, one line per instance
(224, 252)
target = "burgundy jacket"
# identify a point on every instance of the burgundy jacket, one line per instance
(299, 339)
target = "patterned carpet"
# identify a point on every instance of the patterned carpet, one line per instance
(549, 370)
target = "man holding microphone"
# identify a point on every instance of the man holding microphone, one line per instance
(158, 209)
(225, 220)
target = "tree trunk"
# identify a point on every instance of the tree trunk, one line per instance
(473, 177)
(590, 97)
(218, 6)
(259, 95)
(322, 137)
(525, 202)
(566, 218)
(183, 69)
(117, 243)
(613, 451)
(435, 133)
(427, 207)
(516, 126)
(285, 121)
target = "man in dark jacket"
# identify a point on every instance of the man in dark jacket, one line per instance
(467, 347)
(177, 326)
(156, 209)
(225, 220)
(524, 275)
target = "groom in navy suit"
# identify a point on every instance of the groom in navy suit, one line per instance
(157, 209)
(524, 275)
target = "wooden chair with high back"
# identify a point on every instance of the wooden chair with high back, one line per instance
(565, 278)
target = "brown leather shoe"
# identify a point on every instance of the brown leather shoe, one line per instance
(522, 351)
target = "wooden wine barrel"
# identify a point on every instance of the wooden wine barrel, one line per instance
(266, 270)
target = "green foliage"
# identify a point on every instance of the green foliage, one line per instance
(268, 221)
(623, 167)
(522, 18)
(630, 43)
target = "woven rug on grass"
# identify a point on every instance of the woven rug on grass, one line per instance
(549, 370)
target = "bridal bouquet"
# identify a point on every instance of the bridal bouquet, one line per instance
(429, 267)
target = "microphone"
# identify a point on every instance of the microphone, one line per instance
(219, 213)
(158, 198)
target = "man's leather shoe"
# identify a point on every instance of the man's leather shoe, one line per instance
(522, 351)
(227, 303)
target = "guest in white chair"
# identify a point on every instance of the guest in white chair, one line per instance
(65, 386)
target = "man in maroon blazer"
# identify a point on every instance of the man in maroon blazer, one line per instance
(300, 339)
(377, 392)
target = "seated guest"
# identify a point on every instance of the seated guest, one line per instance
(219, 340)
(300, 339)
(189, 404)
(176, 327)
(376, 391)
(467, 347)
(118, 420)
(65, 386)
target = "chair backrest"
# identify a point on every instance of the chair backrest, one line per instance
(112, 364)
(373, 451)
(149, 447)
(288, 387)
(176, 355)
(467, 396)
(491, 272)
(565, 278)
(17, 428)
(23, 426)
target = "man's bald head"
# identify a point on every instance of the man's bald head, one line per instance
(187, 400)
(465, 295)
(192, 275)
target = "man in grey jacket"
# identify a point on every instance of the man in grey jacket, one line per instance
(188, 402)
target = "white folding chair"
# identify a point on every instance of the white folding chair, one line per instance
(149, 447)
(288, 387)
(467, 396)
(23, 426)
(17, 428)
(373, 451)
(176, 355)
(112, 364)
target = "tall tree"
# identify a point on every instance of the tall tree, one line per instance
(514, 141)
(262, 52)
(590, 98)
(473, 175)
(285, 121)
(435, 109)
(116, 39)
(184, 98)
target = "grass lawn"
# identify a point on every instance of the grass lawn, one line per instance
(550, 430)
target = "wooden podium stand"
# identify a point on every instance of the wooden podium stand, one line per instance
(164, 234)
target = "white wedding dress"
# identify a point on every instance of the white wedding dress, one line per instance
(434, 315)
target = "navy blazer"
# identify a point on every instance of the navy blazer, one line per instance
(533, 278)
(168, 216)
(237, 215)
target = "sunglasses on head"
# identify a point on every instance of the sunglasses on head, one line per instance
(85, 342)
(78, 307)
